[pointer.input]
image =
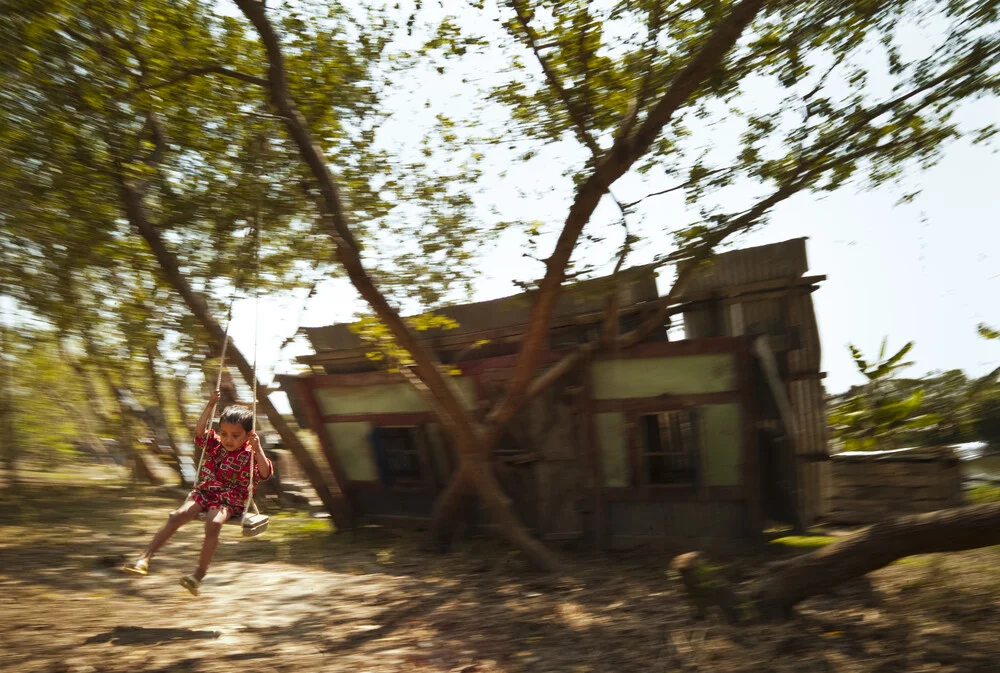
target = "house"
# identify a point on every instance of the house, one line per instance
(706, 437)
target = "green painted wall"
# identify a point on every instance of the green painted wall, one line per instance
(720, 446)
(353, 448)
(384, 398)
(721, 432)
(649, 377)
(610, 431)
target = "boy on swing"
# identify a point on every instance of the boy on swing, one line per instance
(221, 488)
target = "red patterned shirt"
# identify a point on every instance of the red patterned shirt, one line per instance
(225, 475)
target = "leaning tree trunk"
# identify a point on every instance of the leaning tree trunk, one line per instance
(461, 426)
(8, 445)
(178, 385)
(875, 547)
(157, 422)
(87, 419)
(338, 508)
(126, 425)
(156, 383)
(140, 468)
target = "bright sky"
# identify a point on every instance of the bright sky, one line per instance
(928, 271)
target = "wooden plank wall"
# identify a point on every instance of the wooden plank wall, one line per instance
(787, 314)
(871, 488)
(786, 259)
(808, 398)
(633, 523)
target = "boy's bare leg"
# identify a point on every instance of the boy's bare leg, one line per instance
(213, 527)
(182, 515)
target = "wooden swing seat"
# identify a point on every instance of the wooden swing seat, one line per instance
(253, 523)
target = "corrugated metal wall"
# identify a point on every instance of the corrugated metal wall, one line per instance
(750, 265)
(787, 315)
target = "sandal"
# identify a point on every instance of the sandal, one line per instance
(191, 583)
(138, 567)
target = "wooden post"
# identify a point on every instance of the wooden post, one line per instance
(307, 389)
(750, 449)
(594, 456)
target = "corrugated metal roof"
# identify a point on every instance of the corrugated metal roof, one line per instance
(775, 261)
(637, 285)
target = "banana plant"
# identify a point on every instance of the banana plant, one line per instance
(875, 418)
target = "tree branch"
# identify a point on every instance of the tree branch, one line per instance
(575, 115)
(347, 250)
(653, 24)
(810, 166)
(208, 70)
(614, 164)
(687, 183)
(629, 148)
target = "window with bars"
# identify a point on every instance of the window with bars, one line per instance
(400, 447)
(669, 445)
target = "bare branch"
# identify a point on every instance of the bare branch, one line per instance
(338, 228)
(675, 188)
(826, 75)
(629, 148)
(614, 164)
(208, 70)
(576, 115)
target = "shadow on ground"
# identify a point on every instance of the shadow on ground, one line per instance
(301, 599)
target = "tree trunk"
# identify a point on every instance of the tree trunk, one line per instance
(875, 547)
(92, 394)
(429, 371)
(87, 418)
(8, 445)
(126, 430)
(447, 511)
(159, 424)
(178, 384)
(503, 517)
(338, 508)
(140, 469)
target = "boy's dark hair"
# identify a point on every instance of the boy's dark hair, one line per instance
(238, 414)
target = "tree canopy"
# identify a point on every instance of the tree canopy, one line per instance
(194, 127)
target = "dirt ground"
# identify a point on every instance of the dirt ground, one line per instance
(300, 599)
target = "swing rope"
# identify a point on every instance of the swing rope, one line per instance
(218, 384)
(256, 334)
(222, 365)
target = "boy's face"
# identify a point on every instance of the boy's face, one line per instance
(232, 436)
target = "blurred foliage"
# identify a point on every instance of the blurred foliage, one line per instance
(826, 92)
(91, 90)
(44, 398)
(94, 88)
(982, 494)
(879, 416)
(892, 412)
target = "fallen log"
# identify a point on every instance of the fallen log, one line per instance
(775, 595)
(875, 547)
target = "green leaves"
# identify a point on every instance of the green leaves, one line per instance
(878, 415)
(796, 93)
(987, 332)
(884, 367)
(859, 360)
(384, 347)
